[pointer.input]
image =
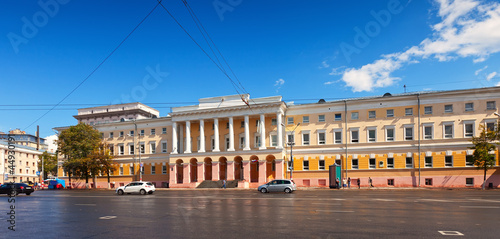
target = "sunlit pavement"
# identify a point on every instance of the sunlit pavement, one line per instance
(323, 213)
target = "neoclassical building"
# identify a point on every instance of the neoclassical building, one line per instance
(405, 140)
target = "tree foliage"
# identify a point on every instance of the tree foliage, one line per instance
(483, 145)
(49, 164)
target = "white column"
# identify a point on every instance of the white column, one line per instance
(216, 135)
(231, 135)
(247, 134)
(174, 138)
(188, 137)
(262, 132)
(280, 130)
(202, 136)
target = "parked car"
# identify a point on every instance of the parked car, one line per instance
(279, 185)
(136, 187)
(16, 188)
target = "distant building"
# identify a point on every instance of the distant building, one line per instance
(25, 166)
(401, 140)
(25, 139)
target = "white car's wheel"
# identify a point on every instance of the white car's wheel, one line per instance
(288, 190)
(120, 192)
(143, 192)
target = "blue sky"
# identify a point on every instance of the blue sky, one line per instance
(296, 49)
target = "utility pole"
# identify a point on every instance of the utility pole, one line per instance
(291, 144)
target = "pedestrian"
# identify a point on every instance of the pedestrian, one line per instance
(337, 183)
(349, 182)
(359, 183)
(370, 182)
(224, 183)
(344, 183)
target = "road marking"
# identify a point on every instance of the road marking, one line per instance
(319, 203)
(107, 217)
(451, 233)
(484, 200)
(384, 200)
(331, 211)
(84, 204)
(435, 200)
(478, 207)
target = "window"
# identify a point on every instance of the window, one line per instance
(428, 162)
(372, 114)
(491, 105)
(121, 150)
(428, 182)
(121, 134)
(372, 135)
(242, 142)
(242, 124)
(355, 164)
(490, 126)
(152, 147)
(291, 138)
(164, 169)
(289, 120)
(409, 162)
(142, 148)
(469, 107)
(322, 164)
(469, 181)
(131, 170)
(469, 129)
(355, 115)
(372, 163)
(321, 118)
(257, 140)
(408, 111)
(428, 132)
(337, 136)
(121, 170)
(131, 133)
(390, 182)
(408, 133)
(448, 161)
(111, 134)
(389, 134)
(469, 161)
(305, 164)
(111, 149)
(390, 113)
(274, 121)
(428, 110)
(321, 138)
(163, 147)
(354, 136)
(338, 117)
(274, 140)
(131, 149)
(163, 130)
(448, 131)
(305, 119)
(448, 108)
(257, 122)
(213, 142)
(153, 131)
(390, 162)
(153, 170)
(305, 138)
(142, 132)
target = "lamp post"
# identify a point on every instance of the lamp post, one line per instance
(291, 144)
(140, 149)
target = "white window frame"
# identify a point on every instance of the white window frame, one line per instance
(131, 170)
(335, 117)
(288, 136)
(121, 149)
(152, 147)
(334, 134)
(352, 163)
(226, 141)
(489, 121)
(448, 110)
(494, 105)
(451, 161)
(152, 131)
(354, 115)
(321, 118)
(163, 130)
(425, 162)
(257, 140)
(274, 121)
(121, 134)
(388, 164)
(305, 119)
(425, 125)
(350, 133)
(212, 142)
(111, 134)
(304, 167)
(370, 165)
(319, 164)
(389, 115)
(452, 129)
(153, 169)
(412, 132)
(120, 171)
(321, 131)
(467, 122)
(304, 133)
(241, 140)
(131, 149)
(426, 112)
(406, 163)
(408, 111)
(289, 120)
(163, 169)
(141, 133)
(393, 128)
(368, 129)
(164, 144)
(469, 109)
(374, 114)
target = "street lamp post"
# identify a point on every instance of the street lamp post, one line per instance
(291, 144)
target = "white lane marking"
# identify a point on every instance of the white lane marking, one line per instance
(319, 203)
(107, 217)
(84, 204)
(332, 211)
(484, 200)
(384, 200)
(435, 200)
(478, 207)
(451, 233)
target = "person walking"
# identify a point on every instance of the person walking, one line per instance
(370, 182)
(337, 182)
(224, 183)
(344, 183)
(349, 182)
(359, 183)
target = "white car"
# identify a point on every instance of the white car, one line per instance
(136, 187)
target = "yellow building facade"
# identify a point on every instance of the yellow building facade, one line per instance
(405, 140)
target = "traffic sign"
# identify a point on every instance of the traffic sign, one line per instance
(37, 173)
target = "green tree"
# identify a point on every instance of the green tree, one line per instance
(77, 143)
(49, 164)
(102, 162)
(483, 145)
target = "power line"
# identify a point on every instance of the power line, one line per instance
(98, 66)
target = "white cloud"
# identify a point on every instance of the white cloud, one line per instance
(469, 28)
(498, 84)
(479, 71)
(279, 83)
(491, 75)
(324, 64)
(337, 71)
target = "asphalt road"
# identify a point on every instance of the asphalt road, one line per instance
(249, 214)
